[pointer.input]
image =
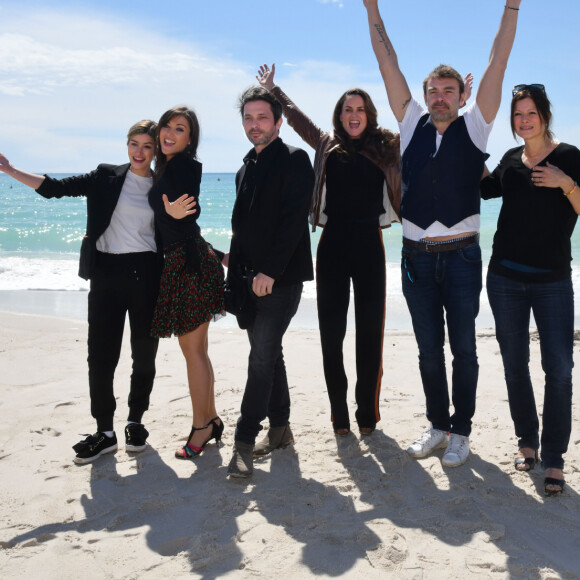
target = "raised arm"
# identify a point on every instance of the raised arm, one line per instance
(29, 179)
(299, 121)
(397, 88)
(489, 93)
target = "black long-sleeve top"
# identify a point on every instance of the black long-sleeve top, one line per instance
(182, 175)
(535, 223)
(354, 186)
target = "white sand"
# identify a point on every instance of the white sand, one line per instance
(324, 508)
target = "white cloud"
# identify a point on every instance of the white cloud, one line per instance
(72, 84)
(41, 67)
(68, 98)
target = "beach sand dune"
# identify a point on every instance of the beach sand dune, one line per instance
(326, 507)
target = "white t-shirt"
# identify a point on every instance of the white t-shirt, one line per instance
(131, 228)
(478, 131)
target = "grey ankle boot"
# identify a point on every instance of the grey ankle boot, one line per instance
(276, 438)
(242, 462)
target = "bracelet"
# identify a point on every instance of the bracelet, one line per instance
(511, 8)
(572, 190)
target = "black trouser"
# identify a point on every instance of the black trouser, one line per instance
(266, 393)
(352, 251)
(121, 284)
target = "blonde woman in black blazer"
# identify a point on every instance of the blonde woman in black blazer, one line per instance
(119, 256)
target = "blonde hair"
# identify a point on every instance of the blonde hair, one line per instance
(144, 127)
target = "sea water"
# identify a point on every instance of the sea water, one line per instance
(40, 241)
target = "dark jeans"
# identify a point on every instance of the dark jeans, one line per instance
(553, 306)
(352, 251)
(266, 393)
(445, 284)
(121, 284)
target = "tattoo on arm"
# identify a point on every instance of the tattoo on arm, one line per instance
(406, 103)
(384, 39)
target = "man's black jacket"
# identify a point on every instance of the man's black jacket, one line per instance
(270, 216)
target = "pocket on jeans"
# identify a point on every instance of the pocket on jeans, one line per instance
(471, 254)
(407, 269)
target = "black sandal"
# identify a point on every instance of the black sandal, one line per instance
(189, 451)
(553, 481)
(528, 462)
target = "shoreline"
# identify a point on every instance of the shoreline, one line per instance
(72, 305)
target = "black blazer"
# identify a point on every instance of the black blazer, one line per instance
(271, 234)
(102, 188)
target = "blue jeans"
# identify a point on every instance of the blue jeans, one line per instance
(553, 306)
(438, 287)
(266, 393)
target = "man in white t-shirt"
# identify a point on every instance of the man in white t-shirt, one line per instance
(443, 156)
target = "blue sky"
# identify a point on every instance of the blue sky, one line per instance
(74, 75)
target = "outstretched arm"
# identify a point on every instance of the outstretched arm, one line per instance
(298, 120)
(489, 92)
(29, 179)
(397, 88)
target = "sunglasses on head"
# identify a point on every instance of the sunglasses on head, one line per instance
(532, 87)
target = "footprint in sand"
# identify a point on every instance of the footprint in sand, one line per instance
(65, 404)
(389, 555)
(49, 431)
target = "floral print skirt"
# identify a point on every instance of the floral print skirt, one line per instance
(187, 298)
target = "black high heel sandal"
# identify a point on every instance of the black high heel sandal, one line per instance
(216, 430)
(528, 462)
(560, 483)
(192, 451)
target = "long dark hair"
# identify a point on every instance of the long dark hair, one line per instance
(381, 144)
(190, 150)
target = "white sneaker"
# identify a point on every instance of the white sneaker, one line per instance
(430, 440)
(457, 451)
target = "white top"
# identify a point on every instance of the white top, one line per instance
(131, 228)
(478, 131)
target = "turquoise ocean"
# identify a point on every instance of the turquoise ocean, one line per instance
(40, 241)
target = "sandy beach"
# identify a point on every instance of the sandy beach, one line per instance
(326, 507)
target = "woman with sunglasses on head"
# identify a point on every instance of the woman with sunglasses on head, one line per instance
(191, 290)
(530, 271)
